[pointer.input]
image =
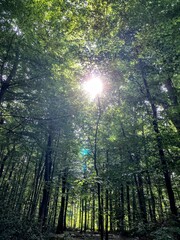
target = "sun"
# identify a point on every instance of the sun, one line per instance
(93, 87)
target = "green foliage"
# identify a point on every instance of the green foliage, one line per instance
(166, 233)
(13, 227)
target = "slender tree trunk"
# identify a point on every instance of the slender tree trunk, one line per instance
(152, 199)
(101, 227)
(93, 212)
(111, 213)
(85, 215)
(128, 205)
(149, 213)
(66, 206)
(100, 211)
(43, 211)
(89, 215)
(16, 183)
(107, 197)
(122, 208)
(140, 191)
(56, 197)
(107, 213)
(148, 179)
(117, 210)
(23, 185)
(71, 217)
(39, 168)
(159, 144)
(160, 208)
(134, 206)
(82, 214)
(60, 226)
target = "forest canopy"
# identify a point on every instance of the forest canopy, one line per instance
(89, 118)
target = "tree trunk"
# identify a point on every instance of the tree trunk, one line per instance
(100, 212)
(56, 197)
(160, 208)
(66, 206)
(141, 198)
(153, 204)
(23, 185)
(60, 226)
(39, 170)
(82, 214)
(43, 211)
(107, 197)
(107, 212)
(159, 144)
(93, 213)
(122, 208)
(134, 216)
(111, 213)
(128, 205)
(85, 215)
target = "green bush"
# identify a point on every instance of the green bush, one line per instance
(12, 227)
(166, 233)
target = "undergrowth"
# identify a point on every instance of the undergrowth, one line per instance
(13, 227)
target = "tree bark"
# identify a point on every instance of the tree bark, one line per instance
(134, 216)
(56, 197)
(153, 204)
(43, 211)
(100, 212)
(85, 214)
(141, 198)
(128, 205)
(111, 213)
(60, 226)
(122, 208)
(159, 144)
(66, 206)
(93, 212)
(107, 213)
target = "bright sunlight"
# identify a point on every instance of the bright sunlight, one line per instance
(93, 87)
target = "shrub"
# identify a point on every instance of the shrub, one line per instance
(12, 227)
(166, 233)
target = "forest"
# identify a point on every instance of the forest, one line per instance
(89, 119)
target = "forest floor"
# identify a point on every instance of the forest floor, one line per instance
(86, 236)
